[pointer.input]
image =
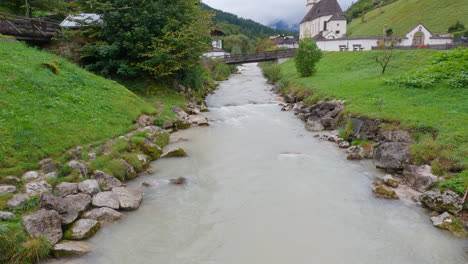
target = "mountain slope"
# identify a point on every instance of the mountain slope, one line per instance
(44, 114)
(232, 25)
(402, 15)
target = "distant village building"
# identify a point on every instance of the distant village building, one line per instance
(288, 42)
(81, 20)
(217, 45)
(326, 23)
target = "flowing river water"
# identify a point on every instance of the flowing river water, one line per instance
(262, 190)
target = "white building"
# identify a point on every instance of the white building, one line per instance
(288, 42)
(325, 23)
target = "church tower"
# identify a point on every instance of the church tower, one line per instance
(310, 4)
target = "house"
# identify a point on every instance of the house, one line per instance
(217, 45)
(81, 20)
(325, 23)
(282, 41)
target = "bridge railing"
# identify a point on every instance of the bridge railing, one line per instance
(260, 56)
(28, 27)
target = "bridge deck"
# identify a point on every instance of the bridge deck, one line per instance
(259, 56)
(28, 28)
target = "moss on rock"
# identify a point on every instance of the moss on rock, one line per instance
(384, 193)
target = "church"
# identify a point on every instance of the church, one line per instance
(326, 23)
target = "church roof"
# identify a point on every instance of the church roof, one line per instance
(325, 8)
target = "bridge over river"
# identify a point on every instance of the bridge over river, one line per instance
(25, 28)
(259, 56)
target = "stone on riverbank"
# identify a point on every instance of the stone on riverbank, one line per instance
(6, 216)
(17, 200)
(174, 152)
(69, 207)
(30, 176)
(106, 199)
(198, 120)
(70, 249)
(6, 189)
(129, 199)
(33, 188)
(66, 188)
(105, 180)
(354, 156)
(450, 223)
(45, 223)
(419, 178)
(442, 201)
(344, 145)
(391, 156)
(314, 125)
(381, 192)
(90, 187)
(103, 215)
(82, 229)
(178, 181)
(390, 181)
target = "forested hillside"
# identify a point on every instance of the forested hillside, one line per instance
(402, 15)
(233, 25)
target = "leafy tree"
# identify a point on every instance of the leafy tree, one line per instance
(456, 28)
(307, 56)
(265, 45)
(237, 44)
(158, 36)
(32, 8)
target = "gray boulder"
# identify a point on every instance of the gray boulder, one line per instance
(11, 179)
(67, 188)
(130, 172)
(70, 249)
(6, 216)
(167, 124)
(106, 199)
(103, 215)
(79, 166)
(396, 136)
(6, 189)
(105, 180)
(439, 220)
(17, 200)
(391, 156)
(314, 125)
(44, 223)
(69, 207)
(47, 165)
(442, 201)
(344, 145)
(198, 120)
(129, 199)
(450, 223)
(419, 178)
(382, 192)
(78, 202)
(82, 229)
(33, 188)
(390, 181)
(90, 187)
(174, 152)
(50, 175)
(30, 176)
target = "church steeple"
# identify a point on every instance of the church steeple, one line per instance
(310, 4)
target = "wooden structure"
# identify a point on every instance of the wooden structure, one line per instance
(259, 56)
(447, 46)
(24, 28)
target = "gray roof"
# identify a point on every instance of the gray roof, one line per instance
(325, 8)
(81, 20)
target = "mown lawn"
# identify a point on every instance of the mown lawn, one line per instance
(44, 114)
(401, 16)
(356, 78)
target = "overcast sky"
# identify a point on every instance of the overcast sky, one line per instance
(267, 11)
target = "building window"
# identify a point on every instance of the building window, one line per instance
(337, 32)
(337, 24)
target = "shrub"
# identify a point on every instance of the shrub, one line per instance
(307, 56)
(65, 171)
(450, 68)
(220, 72)
(456, 28)
(272, 71)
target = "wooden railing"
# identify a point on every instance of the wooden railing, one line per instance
(259, 56)
(434, 47)
(24, 27)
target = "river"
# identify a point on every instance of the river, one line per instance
(262, 190)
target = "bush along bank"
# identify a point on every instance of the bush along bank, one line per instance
(51, 210)
(389, 146)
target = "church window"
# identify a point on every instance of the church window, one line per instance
(337, 32)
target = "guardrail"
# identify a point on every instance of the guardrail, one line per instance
(434, 47)
(259, 56)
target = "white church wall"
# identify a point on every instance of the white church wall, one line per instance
(337, 26)
(350, 44)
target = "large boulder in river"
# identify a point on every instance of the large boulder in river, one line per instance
(90, 187)
(82, 229)
(442, 201)
(44, 223)
(106, 199)
(419, 178)
(70, 249)
(103, 215)
(450, 223)
(129, 199)
(66, 188)
(391, 156)
(106, 181)
(382, 192)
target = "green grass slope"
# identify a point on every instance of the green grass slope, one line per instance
(356, 78)
(402, 15)
(44, 114)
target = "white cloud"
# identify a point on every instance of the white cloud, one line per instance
(267, 11)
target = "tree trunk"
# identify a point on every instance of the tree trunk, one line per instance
(466, 194)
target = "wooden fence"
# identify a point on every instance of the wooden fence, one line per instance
(28, 28)
(434, 47)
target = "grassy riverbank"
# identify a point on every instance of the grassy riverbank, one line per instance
(438, 116)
